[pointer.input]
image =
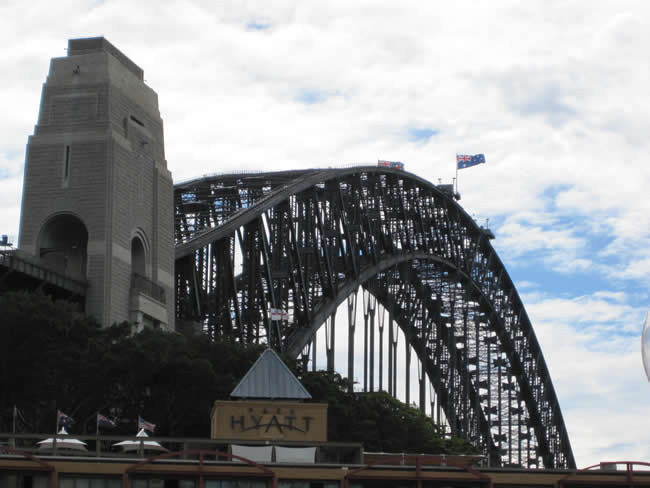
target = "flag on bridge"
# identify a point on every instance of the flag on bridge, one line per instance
(390, 164)
(466, 160)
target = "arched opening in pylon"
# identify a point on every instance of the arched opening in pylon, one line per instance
(62, 245)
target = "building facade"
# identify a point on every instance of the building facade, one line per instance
(217, 468)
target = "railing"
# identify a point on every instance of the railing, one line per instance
(144, 285)
(103, 446)
(37, 269)
(589, 475)
(245, 172)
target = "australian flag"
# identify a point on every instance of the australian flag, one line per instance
(63, 420)
(465, 160)
(105, 422)
(390, 164)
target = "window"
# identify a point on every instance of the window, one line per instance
(66, 166)
(391, 484)
(16, 480)
(137, 121)
(138, 257)
(308, 484)
(87, 482)
(235, 483)
(164, 483)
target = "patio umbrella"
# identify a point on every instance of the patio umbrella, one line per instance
(134, 445)
(66, 443)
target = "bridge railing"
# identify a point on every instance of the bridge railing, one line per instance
(36, 269)
(244, 172)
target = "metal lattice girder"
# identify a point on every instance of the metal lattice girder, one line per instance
(305, 241)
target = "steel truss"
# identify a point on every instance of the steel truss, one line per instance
(306, 241)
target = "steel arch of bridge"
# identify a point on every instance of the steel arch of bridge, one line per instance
(304, 241)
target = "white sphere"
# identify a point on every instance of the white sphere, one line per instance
(645, 345)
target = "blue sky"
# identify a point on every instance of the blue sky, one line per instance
(555, 94)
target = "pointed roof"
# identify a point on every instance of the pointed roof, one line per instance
(270, 378)
(62, 443)
(142, 433)
(133, 445)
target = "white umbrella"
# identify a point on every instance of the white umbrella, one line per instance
(134, 445)
(75, 444)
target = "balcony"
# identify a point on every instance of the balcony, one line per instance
(148, 302)
(142, 284)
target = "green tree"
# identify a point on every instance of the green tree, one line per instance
(54, 357)
(382, 422)
(173, 380)
(45, 348)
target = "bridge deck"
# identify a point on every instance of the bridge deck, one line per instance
(19, 271)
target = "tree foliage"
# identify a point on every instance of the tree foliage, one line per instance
(54, 357)
(382, 422)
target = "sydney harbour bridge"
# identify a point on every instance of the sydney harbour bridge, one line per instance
(269, 257)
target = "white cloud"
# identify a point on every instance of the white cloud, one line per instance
(591, 345)
(10, 198)
(520, 239)
(618, 297)
(602, 308)
(525, 285)
(637, 269)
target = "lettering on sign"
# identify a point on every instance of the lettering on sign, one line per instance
(266, 421)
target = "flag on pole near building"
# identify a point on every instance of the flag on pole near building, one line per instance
(143, 424)
(466, 160)
(63, 420)
(19, 423)
(104, 422)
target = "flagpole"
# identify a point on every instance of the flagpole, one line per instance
(97, 443)
(13, 428)
(456, 190)
(56, 430)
